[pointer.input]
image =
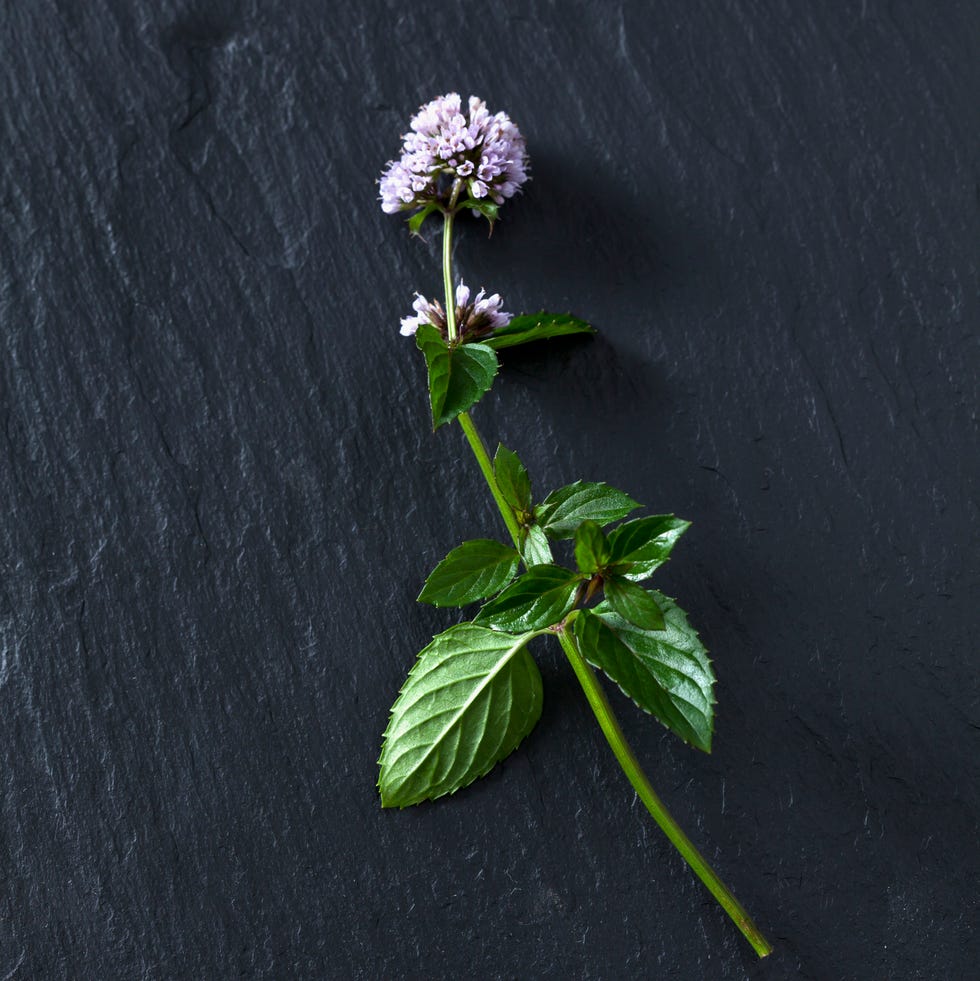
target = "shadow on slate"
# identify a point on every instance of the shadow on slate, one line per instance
(221, 495)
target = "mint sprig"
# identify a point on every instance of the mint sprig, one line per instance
(475, 693)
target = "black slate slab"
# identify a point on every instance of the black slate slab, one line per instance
(220, 495)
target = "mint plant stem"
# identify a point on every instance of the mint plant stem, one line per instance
(447, 274)
(447, 263)
(631, 767)
(583, 672)
(472, 434)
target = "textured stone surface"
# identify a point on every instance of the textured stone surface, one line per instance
(220, 495)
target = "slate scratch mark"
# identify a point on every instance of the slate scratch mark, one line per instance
(16, 967)
(212, 207)
(833, 419)
(192, 496)
(199, 100)
(831, 415)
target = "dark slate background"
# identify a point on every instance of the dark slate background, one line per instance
(220, 494)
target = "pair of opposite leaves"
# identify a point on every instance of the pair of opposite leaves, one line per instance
(475, 692)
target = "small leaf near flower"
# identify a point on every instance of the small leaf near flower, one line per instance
(459, 376)
(537, 327)
(489, 209)
(416, 221)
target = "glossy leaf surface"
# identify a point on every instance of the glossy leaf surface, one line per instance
(537, 327)
(563, 510)
(641, 546)
(469, 700)
(633, 603)
(666, 673)
(540, 598)
(473, 571)
(459, 376)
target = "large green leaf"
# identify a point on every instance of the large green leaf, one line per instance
(535, 546)
(640, 547)
(633, 603)
(471, 697)
(666, 672)
(475, 570)
(459, 376)
(512, 478)
(563, 510)
(591, 548)
(540, 598)
(536, 327)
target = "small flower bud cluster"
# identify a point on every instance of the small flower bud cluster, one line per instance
(485, 153)
(475, 316)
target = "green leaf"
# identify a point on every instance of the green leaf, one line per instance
(415, 222)
(539, 598)
(633, 603)
(563, 510)
(489, 209)
(459, 376)
(536, 327)
(436, 353)
(666, 673)
(512, 478)
(591, 548)
(536, 549)
(640, 547)
(471, 697)
(475, 570)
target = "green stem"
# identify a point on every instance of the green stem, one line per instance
(472, 434)
(447, 274)
(447, 262)
(624, 755)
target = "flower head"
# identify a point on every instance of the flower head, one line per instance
(426, 312)
(485, 154)
(476, 316)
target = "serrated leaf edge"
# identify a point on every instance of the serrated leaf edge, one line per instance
(710, 662)
(515, 563)
(522, 641)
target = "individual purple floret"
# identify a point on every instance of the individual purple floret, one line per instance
(475, 317)
(485, 153)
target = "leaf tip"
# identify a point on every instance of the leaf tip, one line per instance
(390, 798)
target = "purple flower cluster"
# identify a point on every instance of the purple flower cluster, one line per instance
(475, 317)
(485, 153)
